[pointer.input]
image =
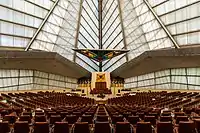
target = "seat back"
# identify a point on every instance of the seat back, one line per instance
(101, 113)
(55, 118)
(90, 113)
(49, 114)
(165, 118)
(77, 114)
(188, 111)
(197, 124)
(61, 127)
(4, 127)
(21, 127)
(98, 127)
(4, 112)
(164, 127)
(10, 118)
(186, 127)
(102, 118)
(40, 118)
(41, 127)
(141, 115)
(151, 119)
(123, 127)
(63, 114)
(133, 119)
(143, 127)
(117, 118)
(87, 118)
(71, 119)
(27, 113)
(81, 127)
(178, 114)
(154, 114)
(126, 114)
(25, 118)
(181, 118)
(39, 113)
(166, 114)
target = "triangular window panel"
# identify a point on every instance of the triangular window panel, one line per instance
(101, 24)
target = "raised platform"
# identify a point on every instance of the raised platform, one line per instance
(101, 101)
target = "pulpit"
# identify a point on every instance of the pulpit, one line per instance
(100, 83)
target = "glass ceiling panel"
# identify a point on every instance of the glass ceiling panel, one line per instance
(20, 19)
(88, 37)
(126, 24)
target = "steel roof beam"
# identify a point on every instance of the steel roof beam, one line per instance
(41, 25)
(162, 25)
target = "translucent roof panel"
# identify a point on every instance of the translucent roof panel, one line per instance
(20, 19)
(112, 32)
(59, 31)
(181, 17)
(88, 37)
(136, 25)
(144, 32)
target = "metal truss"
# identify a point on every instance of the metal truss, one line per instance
(41, 26)
(162, 25)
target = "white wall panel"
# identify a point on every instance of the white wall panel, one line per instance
(163, 86)
(30, 80)
(182, 78)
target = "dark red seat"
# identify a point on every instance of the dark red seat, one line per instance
(197, 125)
(40, 118)
(61, 127)
(166, 114)
(55, 118)
(117, 118)
(188, 111)
(133, 119)
(39, 113)
(101, 113)
(49, 114)
(71, 119)
(186, 127)
(10, 118)
(154, 114)
(90, 113)
(21, 127)
(4, 127)
(181, 118)
(102, 127)
(165, 118)
(87, 118)
(195, 117)
(150, 119)
(27, 113)
(25, 118)
(141, 115)
(77, 114)
(63, 114)
(4, 112)
(178, 114)
(102, 118)
(143, 127)
(126, 114)
(41, 127)
(165, 127)
(177, 109)
(81, 127)
(123, 127)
